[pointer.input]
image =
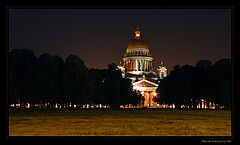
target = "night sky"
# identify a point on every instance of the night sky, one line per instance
(100, 36)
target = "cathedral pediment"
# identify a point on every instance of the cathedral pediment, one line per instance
(145, 85)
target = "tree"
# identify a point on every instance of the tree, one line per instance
(50, 80)
(98, 76)
(222, 88)
(205, 81)
(78, 83)
(127, 94)
(171, 88)
(112, 85)
(12, 93)
(189, 86)
(59, 79)
(111, 89)
(23, 75)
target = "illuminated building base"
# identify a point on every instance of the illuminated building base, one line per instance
(148, 91)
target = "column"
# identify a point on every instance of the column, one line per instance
(145, 65)
(131, 65)
(140, 65)
(150, 99)
(149, 66)
(146, 99)
(136, 64)
(144, 102)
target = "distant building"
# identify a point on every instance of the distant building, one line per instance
(137, 66)
(162, 71)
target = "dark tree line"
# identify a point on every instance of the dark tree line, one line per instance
(48, 78)
(112, 89)
(188, 85)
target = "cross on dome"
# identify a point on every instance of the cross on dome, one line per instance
(137, 33)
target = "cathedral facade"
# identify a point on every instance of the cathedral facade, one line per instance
(137, 66)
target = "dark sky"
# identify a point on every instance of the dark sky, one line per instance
(100, 36)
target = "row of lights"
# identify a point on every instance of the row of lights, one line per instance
(107, 106)
(27, 105)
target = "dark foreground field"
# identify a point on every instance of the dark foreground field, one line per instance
(138, 122)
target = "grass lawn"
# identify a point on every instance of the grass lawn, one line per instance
(135, 122)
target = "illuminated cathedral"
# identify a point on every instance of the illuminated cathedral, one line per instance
(137, 66)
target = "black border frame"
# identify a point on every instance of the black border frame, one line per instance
(234, 5)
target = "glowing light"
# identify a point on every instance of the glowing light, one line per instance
(198, 106)
(88, 106)
(27, 105)
(17, 105)
(130, 105)
(12, 105)
(154, 94)
(203, 106)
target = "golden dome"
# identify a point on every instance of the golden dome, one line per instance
(137, 43)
